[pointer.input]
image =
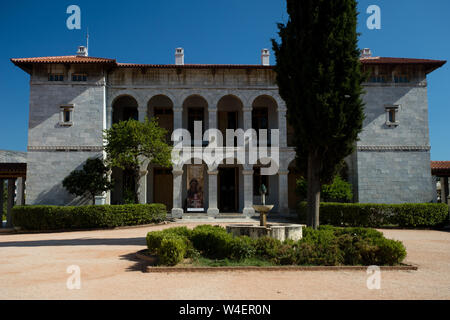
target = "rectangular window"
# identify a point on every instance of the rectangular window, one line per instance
(55, 77)
(392, 115)
(258, 181)
(79, 77)
(66, 115)
(401, 79)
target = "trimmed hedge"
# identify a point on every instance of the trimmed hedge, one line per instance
(44, 218)
(330, 246)
(422, 215)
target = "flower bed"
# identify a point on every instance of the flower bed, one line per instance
(329, 246)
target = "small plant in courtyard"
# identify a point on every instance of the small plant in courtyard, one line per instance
(92, 180)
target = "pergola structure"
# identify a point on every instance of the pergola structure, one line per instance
(441, 169)
(13, 169)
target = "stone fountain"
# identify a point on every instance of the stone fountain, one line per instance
(280, 231)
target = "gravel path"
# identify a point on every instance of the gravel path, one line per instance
(33, 266)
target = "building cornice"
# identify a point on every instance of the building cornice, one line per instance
(66, 148)
(394, 148)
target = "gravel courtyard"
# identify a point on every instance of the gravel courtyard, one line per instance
(34, 266)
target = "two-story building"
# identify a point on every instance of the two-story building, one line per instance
(74, 98)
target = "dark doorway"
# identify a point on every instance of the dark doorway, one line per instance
(163, 187)
(228, 190)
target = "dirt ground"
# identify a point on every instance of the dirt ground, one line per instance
(34, 266)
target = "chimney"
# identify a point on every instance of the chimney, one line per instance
(265, 57)
(179, 56)
(366, 53)
(82, 51)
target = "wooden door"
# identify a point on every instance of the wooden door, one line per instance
(163, 187)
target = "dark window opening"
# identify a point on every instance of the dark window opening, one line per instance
(260, 121)
(258, 181)
(195, 114)
(55, 77)
(79, 77)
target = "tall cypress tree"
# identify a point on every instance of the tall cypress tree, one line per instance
(319, 77)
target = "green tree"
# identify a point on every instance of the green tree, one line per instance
(338, 191)
(132, 145)
(92, 180)
(319, 77)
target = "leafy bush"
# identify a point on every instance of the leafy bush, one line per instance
(267, 247)
(348, 246)
(242, 248)
(44, 218)
(212, 241)
(329, 246)
(378, 215)
(338, 191)
(172, 251)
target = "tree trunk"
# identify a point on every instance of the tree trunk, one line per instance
(137, 185)
(313, 191)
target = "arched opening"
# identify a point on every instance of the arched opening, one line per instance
(161, 108)
(195, 108)
(229, 114)
(230, 187)
(264, 115)
(195, 187)
(125, 108)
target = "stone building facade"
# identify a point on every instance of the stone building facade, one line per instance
(74, 98)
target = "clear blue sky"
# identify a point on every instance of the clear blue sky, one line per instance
(232, 31)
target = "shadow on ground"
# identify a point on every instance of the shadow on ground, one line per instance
(139, 265)
(140, 241)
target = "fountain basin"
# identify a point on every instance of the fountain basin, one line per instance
(277, 231)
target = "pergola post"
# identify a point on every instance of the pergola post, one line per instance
(11, 189)
(20, 195)
(2, 187)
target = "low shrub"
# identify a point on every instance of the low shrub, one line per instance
(242, 248)
(172, 250)
(422, 215)
(212, 241)
(330, 246)
(43, 218)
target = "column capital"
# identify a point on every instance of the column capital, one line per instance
(216, 172)
(177, 172)
(247, 109)
(248, 172)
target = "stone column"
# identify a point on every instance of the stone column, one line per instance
(213, 210)
(442, 192)
(247, 117)
(212, 118)
(11, 187)
(142, 192)
(2, 187)
(142, 113)
(177, 119)
(109, 117)
(283, 200)
(177, 210)
(248, 192)
(282, 127)
(20, 192)
(446, 188)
